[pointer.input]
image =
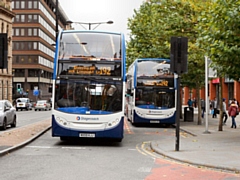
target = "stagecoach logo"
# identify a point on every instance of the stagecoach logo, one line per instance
(78, 118)
(154, 112)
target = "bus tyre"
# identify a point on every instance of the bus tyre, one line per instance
(62, 138)
(118, 140)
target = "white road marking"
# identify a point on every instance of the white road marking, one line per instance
(144, 169)
(50, 147)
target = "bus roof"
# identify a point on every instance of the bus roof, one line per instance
(150, 59)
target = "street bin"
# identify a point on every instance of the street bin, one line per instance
(188, 114)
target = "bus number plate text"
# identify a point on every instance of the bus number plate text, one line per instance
(154, 121)
(87, 135)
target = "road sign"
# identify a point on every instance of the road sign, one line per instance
(35, 92)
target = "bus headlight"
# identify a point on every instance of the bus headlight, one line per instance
(61, 121)
(171, 113)
(113, 123)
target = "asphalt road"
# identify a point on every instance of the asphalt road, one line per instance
(29, 117)
(50, 158)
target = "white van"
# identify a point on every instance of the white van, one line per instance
(23, 103)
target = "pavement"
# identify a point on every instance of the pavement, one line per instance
(18, 137)
(204, 145)
(201, 145)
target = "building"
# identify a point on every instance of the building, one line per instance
(6, 75)
(34, 35)
(230, 90)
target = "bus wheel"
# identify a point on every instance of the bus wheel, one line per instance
(118, 140)
(63, 138)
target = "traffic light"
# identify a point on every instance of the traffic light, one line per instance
(19, 87)
(178, 55)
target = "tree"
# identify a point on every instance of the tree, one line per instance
(155, 23)
(220, 34)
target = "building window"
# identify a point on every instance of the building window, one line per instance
(35, 18)
(35, 32)
(22, 18)
(29, 32)
(22, 59)
(22, 45)
(35, 4)
(19, 72)
(17, 32)
(22, 32)
(17, 3)
(17, 18)
(29, 45)
(30, 18)
(35, 46)
(29, 4)
(22, 4)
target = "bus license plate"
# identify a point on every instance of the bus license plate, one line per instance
(154, 121)
(87, 135)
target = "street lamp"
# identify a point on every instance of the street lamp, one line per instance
(56, 14)
(13, 90)
(206, 94)
(90, 24)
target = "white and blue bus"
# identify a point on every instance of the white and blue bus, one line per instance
(89, 85)
(151, 92)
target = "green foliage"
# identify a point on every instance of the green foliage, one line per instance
(152, 27)
(219, 32)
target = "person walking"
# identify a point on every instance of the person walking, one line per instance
(224, 109)
(214, 104)
(195, 102)
(232, 111)
(190, 103)
(203, 107)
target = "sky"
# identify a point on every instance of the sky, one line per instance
(93, 11)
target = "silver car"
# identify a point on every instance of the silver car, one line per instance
(42, 105)
(7, 114)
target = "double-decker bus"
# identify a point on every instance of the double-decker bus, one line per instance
(151, 92)
(89, 85)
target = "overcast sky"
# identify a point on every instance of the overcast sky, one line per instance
(92, 11)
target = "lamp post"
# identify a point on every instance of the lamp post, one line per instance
(206, 94)
(56, 14)
(13, 89)
(90, 24)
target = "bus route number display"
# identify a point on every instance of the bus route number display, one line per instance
(156, 83)
(90, 70)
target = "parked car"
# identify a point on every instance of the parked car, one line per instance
(23, 103)
(42, 105)
(7, 114)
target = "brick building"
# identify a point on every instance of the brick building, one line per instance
(230, 90)
(34, 34)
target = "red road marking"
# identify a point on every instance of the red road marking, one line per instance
(126, 127)
(173, 170)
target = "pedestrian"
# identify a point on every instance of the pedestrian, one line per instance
(232, 111)
(224, 109)
(203, 107)
(214, 104)
(195, 102)
(236, 102)
(190, 103)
